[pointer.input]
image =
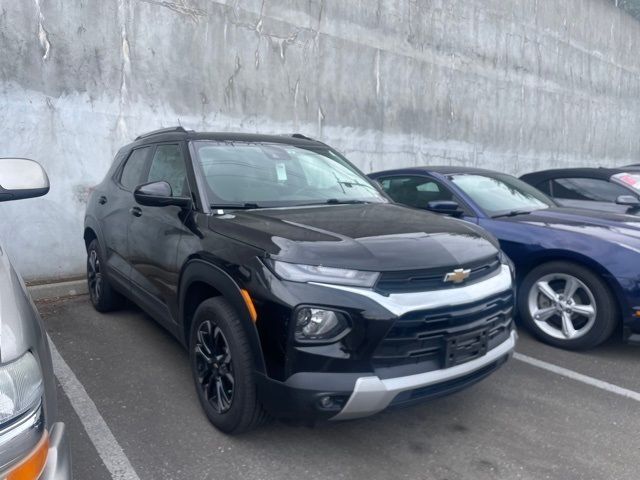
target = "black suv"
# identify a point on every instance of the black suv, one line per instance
(300, 290)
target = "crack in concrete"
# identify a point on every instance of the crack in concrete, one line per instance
(180, 7)
(258, 28)
(228, 90)
(377, 73)
(320, 121)
(296, 90)
(43, 35)
(125, 72)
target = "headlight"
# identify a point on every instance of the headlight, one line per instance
(319, 324)
(21, 387)
(505, 260)
(313, 273)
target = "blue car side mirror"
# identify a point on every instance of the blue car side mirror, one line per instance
(445, 207)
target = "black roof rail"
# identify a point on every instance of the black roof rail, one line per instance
(298, 135)
(162, 130)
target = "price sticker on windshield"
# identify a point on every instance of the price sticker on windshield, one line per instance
(629, 179)
(281, 172)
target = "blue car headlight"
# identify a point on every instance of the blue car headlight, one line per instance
(505, 260)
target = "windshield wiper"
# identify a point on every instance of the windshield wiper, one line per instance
(351, 184)
(337, 201)
(332, 201)
(236, 206)
(513, 213)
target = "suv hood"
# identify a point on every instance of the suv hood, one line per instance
(375, 237)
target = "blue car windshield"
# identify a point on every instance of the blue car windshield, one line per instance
(498, 194)
(278, 175)
(630, 179)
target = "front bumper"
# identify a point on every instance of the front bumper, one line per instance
(58, 466)
(372, 395)
(375, 366)
(24, 443)
(355, 395)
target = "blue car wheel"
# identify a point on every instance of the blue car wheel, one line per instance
(566, 305)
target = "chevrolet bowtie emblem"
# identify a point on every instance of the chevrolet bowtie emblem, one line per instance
(459, 275)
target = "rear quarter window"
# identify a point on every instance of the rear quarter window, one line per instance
(544, 187)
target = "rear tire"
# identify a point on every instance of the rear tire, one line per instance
(102, 294)
(222, 364)
(566, 305)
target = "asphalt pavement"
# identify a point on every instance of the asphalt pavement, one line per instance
(132, 413)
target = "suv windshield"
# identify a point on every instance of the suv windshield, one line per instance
(500, 195)
(272, 175)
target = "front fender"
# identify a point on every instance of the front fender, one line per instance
(198, 270)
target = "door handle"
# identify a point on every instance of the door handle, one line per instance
(102, 200)
(135, 211)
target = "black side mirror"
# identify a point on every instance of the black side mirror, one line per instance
(446, 207)
(158, 194)
(22, 178)
(628, 200)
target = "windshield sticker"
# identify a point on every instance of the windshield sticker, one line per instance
(281, 172)
(629, 179)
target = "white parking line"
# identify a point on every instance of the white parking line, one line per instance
(106, 444)
(594, 382)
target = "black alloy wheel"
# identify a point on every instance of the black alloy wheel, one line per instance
(102, 294)
(214, 367)
(94, 275)
(223, 367)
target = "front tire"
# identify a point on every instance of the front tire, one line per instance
(222, 364)
(567, 306)
(102, 294)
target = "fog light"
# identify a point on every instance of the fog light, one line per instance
(332, 402)
(319, 324)
(326, 402)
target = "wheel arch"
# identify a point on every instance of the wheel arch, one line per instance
(89, 236)
(201, 280)
(92, 232)
(558, 255)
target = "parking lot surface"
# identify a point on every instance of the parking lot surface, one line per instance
(523, 422)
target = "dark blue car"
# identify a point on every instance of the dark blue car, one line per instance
(578, 271)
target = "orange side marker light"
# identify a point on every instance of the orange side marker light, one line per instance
(33, 464)
(252, 309)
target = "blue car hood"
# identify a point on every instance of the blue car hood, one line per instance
(582, 221)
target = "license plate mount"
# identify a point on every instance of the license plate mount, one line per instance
(465, 347)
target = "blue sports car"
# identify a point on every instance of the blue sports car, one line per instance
(578, 271)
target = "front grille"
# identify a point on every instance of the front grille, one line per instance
(432, 279)
(417, 341)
